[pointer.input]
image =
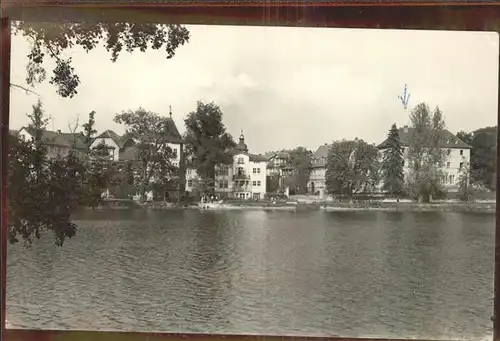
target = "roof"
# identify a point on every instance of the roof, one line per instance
(173, 135)
(110, 134)
(283, 154)
(451, 141)
(76, 138)
(321, 155)
(257, 158)
(56, 138)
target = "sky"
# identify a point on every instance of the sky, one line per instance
(284, 87)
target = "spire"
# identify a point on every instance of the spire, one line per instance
(170, 112)
(242, 145)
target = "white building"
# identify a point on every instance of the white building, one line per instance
(123, 149)
(115, 143)
(457, 153)
(58, 143)
(244, 179)
(317, 177)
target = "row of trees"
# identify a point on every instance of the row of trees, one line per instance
(355, 166)
(44, 192)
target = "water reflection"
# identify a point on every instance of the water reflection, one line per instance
(316, 273)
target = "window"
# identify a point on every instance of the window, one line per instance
(448, 151)
(461, 152)
(461, 165)
(258, 183)
(256, 170)
(403, 163)
(447, 165)
(402, 150)
(241, 160)
(254, 183)
(190, 183)
(256, 196)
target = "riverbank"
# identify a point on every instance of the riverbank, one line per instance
(339, 207)
(414, 207)
(301, 206)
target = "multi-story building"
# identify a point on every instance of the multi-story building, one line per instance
(317, 177)
(245, 178)
(124, 149)
(457, 151)
(279, 164)
(58, 143)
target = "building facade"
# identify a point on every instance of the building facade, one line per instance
(317, 176)
(457, 155)
(123, 149)
(279, 164)
(58, 143)
(244, 179)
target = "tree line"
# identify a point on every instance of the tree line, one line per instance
(355, 167)
(44, 192)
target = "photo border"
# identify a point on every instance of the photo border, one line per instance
(459, 15)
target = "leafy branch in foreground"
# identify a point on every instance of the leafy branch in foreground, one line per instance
(52, 39)
(44, 192)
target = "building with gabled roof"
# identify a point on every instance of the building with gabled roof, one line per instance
(316, 185)
(58, 143)
(458, 153)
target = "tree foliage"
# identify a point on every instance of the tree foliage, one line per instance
(465, 189)
(300, 161)
(483, 156)
(152, 136)
(352, 167)
(42, 192)
(53, 39)
(272, 183)
(89, 131)
(425, 153)
(208, 144)
(392, 164)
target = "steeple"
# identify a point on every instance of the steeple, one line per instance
(170, 111)
(242, 145)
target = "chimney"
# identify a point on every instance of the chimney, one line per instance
(58, 131)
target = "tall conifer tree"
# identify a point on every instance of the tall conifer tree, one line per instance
(392, 164)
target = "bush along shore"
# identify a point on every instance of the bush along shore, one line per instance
(302, 206)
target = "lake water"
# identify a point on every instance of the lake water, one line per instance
(377, 274)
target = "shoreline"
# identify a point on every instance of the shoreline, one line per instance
(326, 207)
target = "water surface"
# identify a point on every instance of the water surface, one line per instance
(377, 274)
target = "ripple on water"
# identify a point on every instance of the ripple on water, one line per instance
(317, 273)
